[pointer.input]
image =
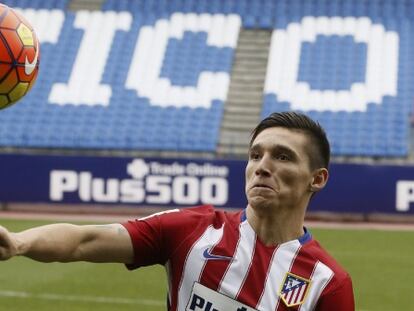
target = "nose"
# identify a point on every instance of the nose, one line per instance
(264, 167)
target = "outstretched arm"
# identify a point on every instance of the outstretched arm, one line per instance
(67, 242)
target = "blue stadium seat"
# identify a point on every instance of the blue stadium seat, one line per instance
(335, 66)
(132, 121)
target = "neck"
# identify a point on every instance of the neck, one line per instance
(276, 228)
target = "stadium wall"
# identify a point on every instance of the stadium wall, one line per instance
(350, 60)
(137, 183)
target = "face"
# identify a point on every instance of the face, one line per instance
(278, 173)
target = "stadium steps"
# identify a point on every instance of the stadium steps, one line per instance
(244, 103)
(89, 5)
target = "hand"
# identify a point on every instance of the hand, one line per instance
(8, 243)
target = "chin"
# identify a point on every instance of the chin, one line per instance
(260, 203)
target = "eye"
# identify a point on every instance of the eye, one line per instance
(283, 157)
(254, 155)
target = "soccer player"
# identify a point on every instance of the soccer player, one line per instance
(261, 258)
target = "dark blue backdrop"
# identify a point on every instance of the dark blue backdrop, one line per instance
(351, 188)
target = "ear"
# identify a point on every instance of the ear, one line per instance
(319, 180)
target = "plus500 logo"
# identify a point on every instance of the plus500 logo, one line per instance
(155, 189)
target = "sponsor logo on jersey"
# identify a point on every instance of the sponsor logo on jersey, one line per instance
(206, 299)
(294, 289)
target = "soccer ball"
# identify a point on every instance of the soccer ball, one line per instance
(19, 56)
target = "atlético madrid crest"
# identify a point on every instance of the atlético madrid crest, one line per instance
(294, 290)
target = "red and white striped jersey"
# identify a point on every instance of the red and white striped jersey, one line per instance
(215, 262)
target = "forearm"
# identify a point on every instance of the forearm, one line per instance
(56, 242)
(66, 243)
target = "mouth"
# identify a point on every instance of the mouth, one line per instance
(262, 186)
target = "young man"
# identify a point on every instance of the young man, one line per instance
(261, 258)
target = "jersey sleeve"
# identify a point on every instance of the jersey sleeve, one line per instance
(339, 299)
(156, 237)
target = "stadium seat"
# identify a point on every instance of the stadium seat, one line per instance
(153, 100)
(336, 65)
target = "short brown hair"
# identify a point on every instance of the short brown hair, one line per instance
(320, 155)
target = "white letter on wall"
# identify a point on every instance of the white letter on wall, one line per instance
(84, 85)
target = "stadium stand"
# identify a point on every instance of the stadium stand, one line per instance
(187, 75)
